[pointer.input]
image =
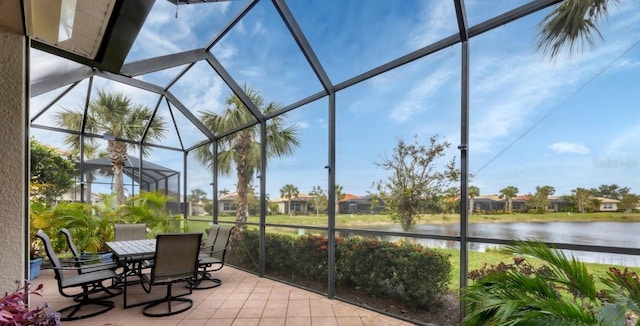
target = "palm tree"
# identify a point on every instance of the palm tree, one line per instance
(197, 196)
(115, 115)
(508, 193)
(289, 191)
(571, 25)
(242, 149)
(473, 192)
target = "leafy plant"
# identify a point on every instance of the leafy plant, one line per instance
(150, 208)
(14, 309)
(561, 291)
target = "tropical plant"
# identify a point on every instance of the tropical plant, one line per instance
(289, 191)
(197, 197)
(508, 193)
(559, 291)
(91, 225)
(114, 115)
(242, 148)
(150, 208)
(571, 25)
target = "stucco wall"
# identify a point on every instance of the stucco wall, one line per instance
(12, 173)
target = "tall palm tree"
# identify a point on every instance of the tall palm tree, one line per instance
(242, 149)
(508, 193)
(571, 25)
(289, 191)
(114, 114)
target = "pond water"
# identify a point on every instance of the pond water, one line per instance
(614, 234)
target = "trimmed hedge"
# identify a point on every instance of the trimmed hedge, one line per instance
(403, 271)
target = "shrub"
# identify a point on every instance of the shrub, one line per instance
(407, 272)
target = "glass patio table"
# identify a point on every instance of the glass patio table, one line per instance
(131, 254)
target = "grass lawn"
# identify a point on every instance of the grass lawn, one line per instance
(354, 220)
(476, 259)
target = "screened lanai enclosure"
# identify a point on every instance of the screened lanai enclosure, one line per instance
(266, 107)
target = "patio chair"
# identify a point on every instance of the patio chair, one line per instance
(124, 232)
(87, 262)
(88, 283)
(128, 232)
(175, 260)
(212, 256)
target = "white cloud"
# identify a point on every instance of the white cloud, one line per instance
(624, 143)
(419, 95)
(302, 125)
(435, 21)
(567, 147)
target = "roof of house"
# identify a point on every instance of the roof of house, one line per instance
(301, 197)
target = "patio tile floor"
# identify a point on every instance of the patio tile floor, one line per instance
(243, 299)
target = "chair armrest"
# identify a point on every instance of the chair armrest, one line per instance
(76, 261)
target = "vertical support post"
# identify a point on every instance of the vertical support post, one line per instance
(214, 183)
(331, 291)
(83, 186)
(263, 199)
(461, 16)
(185, 200)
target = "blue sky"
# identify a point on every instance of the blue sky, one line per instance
(570, 123)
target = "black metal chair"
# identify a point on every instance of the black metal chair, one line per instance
(89, 283)
(175, 260)
(87, 262)
(212, 256)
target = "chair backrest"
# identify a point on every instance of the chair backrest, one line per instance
(124, 232)
(72, 246)
(211, 238)
(48, 248)
(176, 257)
(222, 241)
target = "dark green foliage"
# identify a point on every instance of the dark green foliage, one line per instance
(53, 173)
(559, 292)
(407, 272)
(404, 271)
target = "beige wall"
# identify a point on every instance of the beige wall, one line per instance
(12, 172)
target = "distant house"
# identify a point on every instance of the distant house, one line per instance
(352, 204)
(519, 203)
(487, 203)
(298, 205)
(227, 204)
(607, 204)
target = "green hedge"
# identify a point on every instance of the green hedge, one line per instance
(403, 271)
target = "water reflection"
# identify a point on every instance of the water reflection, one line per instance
(615, 234)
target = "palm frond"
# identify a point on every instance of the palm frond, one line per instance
(571, 26)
